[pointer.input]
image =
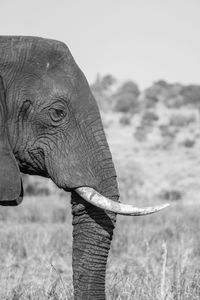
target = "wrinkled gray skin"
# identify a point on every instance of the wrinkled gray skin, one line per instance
(53, 127)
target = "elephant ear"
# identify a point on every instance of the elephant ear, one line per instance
(11, 189)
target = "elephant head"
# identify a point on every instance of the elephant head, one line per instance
(50, 125)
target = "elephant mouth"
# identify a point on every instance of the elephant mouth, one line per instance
(93, 197)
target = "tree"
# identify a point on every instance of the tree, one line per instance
(126, 98)
(191, 95)
(101, 90)
(154, 93)
(107, 81)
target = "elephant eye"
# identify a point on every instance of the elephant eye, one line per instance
(57, 114)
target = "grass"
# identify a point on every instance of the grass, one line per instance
(35, 250)
(157, 257)
(153, 257)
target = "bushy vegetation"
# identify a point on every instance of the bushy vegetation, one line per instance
(127, 97)
(125, 120)
(165, 109)
(102, 90)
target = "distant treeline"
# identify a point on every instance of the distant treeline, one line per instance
(128, 98)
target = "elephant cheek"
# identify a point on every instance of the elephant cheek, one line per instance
(69, 172)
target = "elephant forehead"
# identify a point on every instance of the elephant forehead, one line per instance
(46, 67)
(36, 57)
(33, 51)
(58, 84)
(53, 87)
(56, 81)
(49, 60)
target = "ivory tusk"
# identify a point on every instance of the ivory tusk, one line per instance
(93, 197)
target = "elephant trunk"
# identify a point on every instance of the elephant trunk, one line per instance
(92, 235)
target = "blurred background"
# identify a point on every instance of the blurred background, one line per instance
(142, 60)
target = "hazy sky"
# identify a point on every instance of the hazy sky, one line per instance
(143, 40)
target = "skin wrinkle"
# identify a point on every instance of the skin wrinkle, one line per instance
(82, 133)
(16, 68)
(100, 140)
(101, 147)
(10, 125)
(47, 154)
(31, 144)
(84, 138)
(58, 104)
(24, 112)
(104, 178)
(99, 157)
(36, 159)
(97, 134)
(22, 125)
(47, 144)
(102, 167)
(83, 154)
(101, 266)
(90, 125)
(92, 246)
(103, 164)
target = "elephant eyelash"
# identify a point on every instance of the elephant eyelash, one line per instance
(57, 114)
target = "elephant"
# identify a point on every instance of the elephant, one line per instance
(50, 125)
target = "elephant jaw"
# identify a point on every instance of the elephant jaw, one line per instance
(96, 199)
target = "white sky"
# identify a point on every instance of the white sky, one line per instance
(142, 40)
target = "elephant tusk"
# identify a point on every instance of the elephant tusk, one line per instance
(93, 197)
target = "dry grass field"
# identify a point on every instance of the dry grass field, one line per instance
(155, 257)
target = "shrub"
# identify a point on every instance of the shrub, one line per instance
(140, 134)
(126, 98)
(102, 91)
(171, 195)
(168, 135)
(126, 103)
(178, 120)
(168, 132)
(125, 120)
(191, 95)
(149, 117)
(188, 143)
(174, 101)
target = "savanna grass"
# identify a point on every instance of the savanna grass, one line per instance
(156, 257)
